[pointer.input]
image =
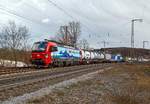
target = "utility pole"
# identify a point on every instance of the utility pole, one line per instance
(66, 35)
(104, 43)
(104, 48)
(132, 36)
(144, 43)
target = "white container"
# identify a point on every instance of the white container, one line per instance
(108, 56)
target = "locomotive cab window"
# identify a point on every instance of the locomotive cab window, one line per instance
(53, 49)
(39, 47)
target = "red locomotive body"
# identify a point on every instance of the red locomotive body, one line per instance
(48, 53)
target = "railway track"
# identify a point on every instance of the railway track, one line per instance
(13, 71)
(22, 71)
(10, 84)
(6, 71)
(39, 74)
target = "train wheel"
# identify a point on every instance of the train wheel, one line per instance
(64, 63)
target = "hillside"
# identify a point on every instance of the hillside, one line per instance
(126, 51)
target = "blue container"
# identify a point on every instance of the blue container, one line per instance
(113, 57)
(118, 57)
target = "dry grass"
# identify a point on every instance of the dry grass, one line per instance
(60, 93)
(37, 100)
(50, 96)
(85, 83)
(81, 83)
(124, 96)
(137, 87)
(73, 85)
(118, 98)
(42, 100)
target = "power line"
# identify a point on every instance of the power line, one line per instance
(47, 15)
(18, 15)
(61, 9)
(11, 12)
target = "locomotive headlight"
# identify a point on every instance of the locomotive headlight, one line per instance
(46, 55)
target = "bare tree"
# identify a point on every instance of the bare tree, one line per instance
(14, 38)
(73, 31)
(60, 36)
(83, 44)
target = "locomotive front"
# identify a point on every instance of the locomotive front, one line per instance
(40, 54)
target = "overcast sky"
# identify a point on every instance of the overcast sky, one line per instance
(98, 18)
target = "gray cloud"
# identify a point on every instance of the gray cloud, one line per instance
(97, 17)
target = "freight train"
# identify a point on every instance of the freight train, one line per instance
(51, 53)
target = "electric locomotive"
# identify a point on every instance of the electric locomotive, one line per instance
(52, 53)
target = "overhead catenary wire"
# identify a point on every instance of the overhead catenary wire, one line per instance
(20, 16)
(65, 12)
(61, 9)
(11, 12)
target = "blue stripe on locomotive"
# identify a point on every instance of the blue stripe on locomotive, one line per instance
(66, 53)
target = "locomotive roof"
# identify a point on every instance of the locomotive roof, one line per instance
(60, 44)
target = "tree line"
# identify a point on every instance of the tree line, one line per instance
(14, 43)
